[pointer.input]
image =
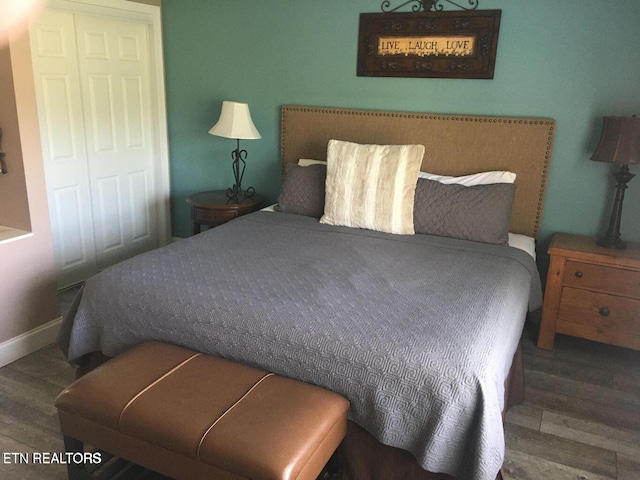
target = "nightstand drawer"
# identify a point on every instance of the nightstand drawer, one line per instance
(599, 310)
(604, 279)
(215, 208)
(213, 217)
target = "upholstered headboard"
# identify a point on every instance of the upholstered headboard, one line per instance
(455, 145)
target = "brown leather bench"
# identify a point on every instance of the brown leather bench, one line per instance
(193, 416)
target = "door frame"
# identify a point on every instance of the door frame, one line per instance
(150, 15)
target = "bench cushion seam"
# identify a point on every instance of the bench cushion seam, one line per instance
(148, 387)
(227, 411)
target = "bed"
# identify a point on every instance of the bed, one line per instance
(419, 331)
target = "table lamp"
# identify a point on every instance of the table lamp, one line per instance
(235, 122)
(619, 143)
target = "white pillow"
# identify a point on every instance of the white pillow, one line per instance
(371, 186)
(523, 242)
(305, 162)
(482, 178)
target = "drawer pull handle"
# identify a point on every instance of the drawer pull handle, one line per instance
(604, 311)
(578, 274)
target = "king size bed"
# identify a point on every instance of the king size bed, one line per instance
(418, 328)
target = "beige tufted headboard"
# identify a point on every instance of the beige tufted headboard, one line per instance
(455, 145)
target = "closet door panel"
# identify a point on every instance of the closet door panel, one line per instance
(100, 98)
(109, 212)
(57, 83)
(67, 220)
(139, 211)
(134, 121)
(114, 76)
(61, 131)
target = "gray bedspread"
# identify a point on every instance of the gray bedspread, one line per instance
(418, 332)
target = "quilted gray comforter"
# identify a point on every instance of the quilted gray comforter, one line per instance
(418, 332)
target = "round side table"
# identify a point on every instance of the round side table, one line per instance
(215, 208)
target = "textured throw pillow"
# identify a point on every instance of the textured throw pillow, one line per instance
(302, 190)
(481, 213)
(371, 186)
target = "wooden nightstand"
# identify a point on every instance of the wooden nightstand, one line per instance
(214, 208)
(592, 292)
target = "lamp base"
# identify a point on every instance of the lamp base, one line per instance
(612, 237)
(611, 242)
(237, 194)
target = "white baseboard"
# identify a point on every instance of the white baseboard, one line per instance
(22, 345)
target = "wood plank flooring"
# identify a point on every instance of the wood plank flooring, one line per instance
(581, 416)
(580, 419)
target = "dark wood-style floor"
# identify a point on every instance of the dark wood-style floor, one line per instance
(581, 416)
(580, 420)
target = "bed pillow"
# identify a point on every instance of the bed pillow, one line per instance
(482, 178)
(481, 213)
(305, 162)
(371, 186)
(302, 190)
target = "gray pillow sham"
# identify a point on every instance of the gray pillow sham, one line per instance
(303, 190)
(480, 213)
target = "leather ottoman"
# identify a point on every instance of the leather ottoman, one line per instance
(193, 416)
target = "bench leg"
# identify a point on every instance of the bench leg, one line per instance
(75, 471)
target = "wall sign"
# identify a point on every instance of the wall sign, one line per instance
(428, 44)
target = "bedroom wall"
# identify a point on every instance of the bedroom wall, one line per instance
(29, 313)
(574, 61)
(27, 266)
(14, 205)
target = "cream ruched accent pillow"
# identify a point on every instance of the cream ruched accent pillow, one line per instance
(371, 186)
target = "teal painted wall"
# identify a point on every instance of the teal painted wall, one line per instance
(572, 60)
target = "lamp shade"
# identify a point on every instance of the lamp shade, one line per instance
(619, 141)
(235, 122)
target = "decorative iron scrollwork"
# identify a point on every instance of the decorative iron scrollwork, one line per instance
(423, 66)
(458, 65)
(485, 45)
(394, 26)
(427, 5)
(463, 24)
(389, 65)
(427, 25)
(372, 46)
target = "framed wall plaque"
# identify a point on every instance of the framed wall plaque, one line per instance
(428, 44)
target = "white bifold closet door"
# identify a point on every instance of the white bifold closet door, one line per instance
(92, 88)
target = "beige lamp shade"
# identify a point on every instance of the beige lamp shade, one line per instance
(235, 122)
(619, 141)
